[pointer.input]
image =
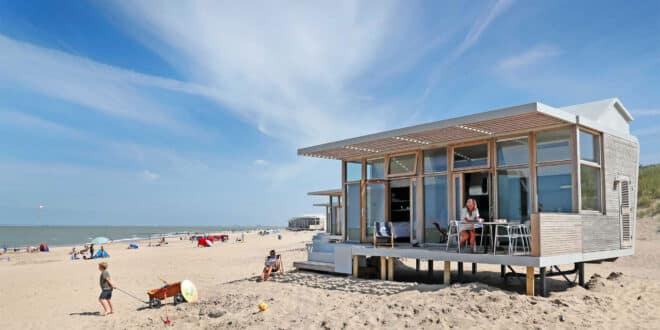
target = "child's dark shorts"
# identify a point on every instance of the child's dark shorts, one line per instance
(106, 295)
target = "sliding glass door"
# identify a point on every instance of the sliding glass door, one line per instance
(375, 206)
(353, 212)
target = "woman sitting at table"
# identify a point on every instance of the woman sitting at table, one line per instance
(470, 214)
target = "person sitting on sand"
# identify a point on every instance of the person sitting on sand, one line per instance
(273, 264)
(101, 253)
(74, 254)
(106, 289)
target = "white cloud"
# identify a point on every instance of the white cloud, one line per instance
(287, 70)
(150, 176)
(528, 58)
(261, 162)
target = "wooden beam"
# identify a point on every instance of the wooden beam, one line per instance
(447, 275)
(429, 269)
(355, 266)
(390, 268)
(383, 268)
(530, 281)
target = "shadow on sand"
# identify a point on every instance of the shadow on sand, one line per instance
(408, 279)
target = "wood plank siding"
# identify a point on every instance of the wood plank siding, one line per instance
(621, 159)
(556, 234)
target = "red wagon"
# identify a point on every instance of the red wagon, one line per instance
(169, 290)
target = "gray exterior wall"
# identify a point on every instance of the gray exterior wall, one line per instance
(594, 231)
(603, 232)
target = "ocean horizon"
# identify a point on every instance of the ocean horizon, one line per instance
(19, 236)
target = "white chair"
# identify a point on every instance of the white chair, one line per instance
(454, 232)
(502, 231)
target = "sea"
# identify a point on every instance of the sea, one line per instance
(21, 236)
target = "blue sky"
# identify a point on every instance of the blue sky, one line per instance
(190, 112)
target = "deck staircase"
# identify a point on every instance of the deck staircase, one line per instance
(320, 255)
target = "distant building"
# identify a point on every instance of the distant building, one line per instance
(307, 222)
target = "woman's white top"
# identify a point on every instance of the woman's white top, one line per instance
(470, 217)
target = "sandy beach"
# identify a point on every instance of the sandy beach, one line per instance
(46, 290)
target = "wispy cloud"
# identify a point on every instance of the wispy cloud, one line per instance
(116, 92)
(288, 72)
(528, 58)
(14, 118)
(480, 26)
(646, 113)
(149, 175)
(261, 162)
(473, 35)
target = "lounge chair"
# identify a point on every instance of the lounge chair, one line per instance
(443, 232)
(390, 230)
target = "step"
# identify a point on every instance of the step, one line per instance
(315, 266)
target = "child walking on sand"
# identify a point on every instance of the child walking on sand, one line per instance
(106, 288)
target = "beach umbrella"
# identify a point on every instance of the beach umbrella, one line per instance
(100, 240)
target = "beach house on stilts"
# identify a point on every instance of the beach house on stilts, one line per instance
(553, 186)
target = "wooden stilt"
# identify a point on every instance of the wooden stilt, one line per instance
(417, 265)
(580, 267)
(430, 269)
(460, 271)
(383, 268)
(355, 266)
(474, 268)
(447, 275)
(543, 287)
(502, 270)
(530, 281)
(390, 268)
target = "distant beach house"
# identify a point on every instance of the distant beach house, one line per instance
(307, 222)
(554, 186)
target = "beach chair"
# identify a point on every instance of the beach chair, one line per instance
(390, 231)
(383, 230)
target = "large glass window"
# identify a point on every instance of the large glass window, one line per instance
(375, 169)
(513, 201)
(435, 207)
(404, 164)
(375, 205)
(470, 156)
(555, 188)
(435, 160)
(590, 187)
(353, 212)
(353, 171)
(589, 147)
(553, 146)
(513, 152)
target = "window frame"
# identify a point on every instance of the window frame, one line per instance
(388, 160)
(366, 169)
(580, 162)
(571, 161)
(453, 168)
(531, 148)
(362, 170)
(447, 152)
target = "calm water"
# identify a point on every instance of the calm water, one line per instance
(19, 236)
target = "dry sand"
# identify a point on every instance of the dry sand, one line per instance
(49, 291)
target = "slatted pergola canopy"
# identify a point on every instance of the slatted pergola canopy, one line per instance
(494, 123)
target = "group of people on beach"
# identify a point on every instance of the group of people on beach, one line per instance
(89, 248)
